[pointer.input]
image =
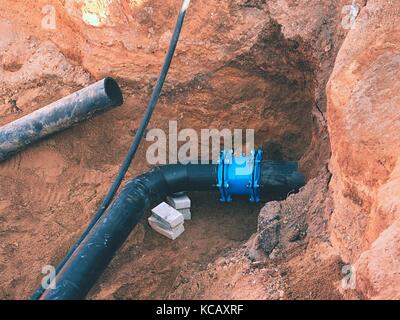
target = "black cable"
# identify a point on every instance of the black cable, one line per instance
(135, 144)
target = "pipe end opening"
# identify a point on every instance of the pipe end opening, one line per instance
(113, 91)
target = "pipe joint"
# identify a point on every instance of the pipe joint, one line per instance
(239, 175)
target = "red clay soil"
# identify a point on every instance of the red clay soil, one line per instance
(239, 64)
(245, 65)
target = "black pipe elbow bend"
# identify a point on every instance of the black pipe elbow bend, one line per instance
(95, 252)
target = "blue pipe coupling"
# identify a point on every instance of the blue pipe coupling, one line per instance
(239, 175)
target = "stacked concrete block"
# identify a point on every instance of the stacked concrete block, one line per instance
(167, 221)
(182, 203)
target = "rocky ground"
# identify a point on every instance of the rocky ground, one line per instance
(314, 91)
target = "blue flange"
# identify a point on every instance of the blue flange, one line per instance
(239, 175)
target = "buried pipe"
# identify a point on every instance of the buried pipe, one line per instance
(80, 272)
(59, 115)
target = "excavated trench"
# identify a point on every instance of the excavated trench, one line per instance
(269, 86)
(274, 82)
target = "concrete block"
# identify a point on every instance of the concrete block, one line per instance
(160, 222)
(170, 216)
(181, 201)
(172, 234)
(187, 215)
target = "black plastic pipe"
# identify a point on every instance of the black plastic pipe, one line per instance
(62, 114)
(279, 179)
(95, 252)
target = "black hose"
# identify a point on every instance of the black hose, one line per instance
(95, 252)
(135, 144)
